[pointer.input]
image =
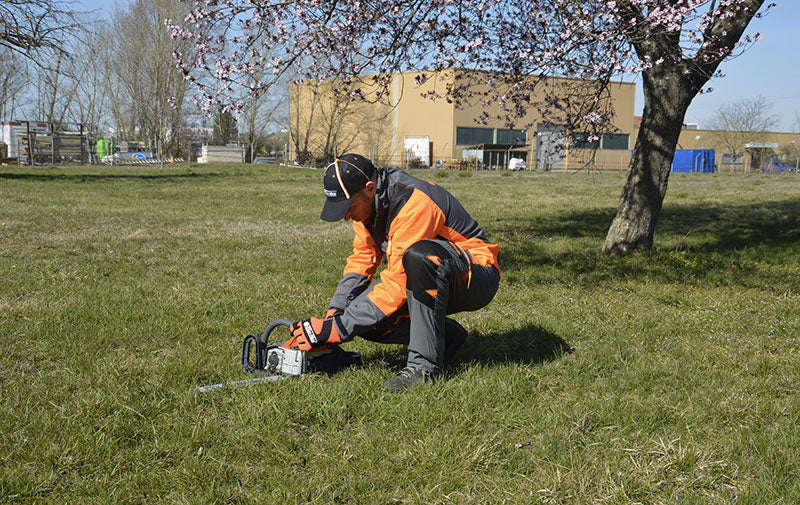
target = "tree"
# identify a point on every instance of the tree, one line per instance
(323, 129)
(303, 120)
(737, 123)
(225, 128)
(44, 32)
(263, 112)
(375, 132)
(335, 111)
(12, 83)
(28, 26)
(56, 85)
(147, 93)
(676, 45)
(791, 152)
(670, 85)
(92, 64)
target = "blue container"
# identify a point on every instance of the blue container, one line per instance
(699, 161)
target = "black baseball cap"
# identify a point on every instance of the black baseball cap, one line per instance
(343, 178)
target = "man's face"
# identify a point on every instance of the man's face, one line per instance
(362, 208)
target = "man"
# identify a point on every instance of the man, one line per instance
(438, 262)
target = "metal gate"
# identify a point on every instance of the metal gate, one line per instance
(550, 147)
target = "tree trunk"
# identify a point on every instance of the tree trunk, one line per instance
(669, 88)
(667, 95)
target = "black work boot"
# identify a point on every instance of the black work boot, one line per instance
(454, 337)
(407, 378)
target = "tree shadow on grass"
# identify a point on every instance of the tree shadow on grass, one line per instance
(79, 177)
(726, 243)
(734, 226)
(529, 345)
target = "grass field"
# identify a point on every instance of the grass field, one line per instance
(667, 377)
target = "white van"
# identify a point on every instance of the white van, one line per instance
(516, 164)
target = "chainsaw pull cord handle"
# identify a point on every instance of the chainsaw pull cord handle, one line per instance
(261, 347)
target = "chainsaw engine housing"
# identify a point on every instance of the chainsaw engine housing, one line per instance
(286, 361)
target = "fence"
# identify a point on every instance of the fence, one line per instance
(474, 163)
(37, 143)
(55, 149)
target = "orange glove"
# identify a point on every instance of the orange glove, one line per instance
(333, 311)
(313, 332)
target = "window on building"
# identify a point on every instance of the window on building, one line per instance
(516, 137)
(474, 136)
(616, 141)
(581, 141)
(734, 159)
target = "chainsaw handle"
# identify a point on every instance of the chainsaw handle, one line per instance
(261, 347)
(271, 326)
(259, 365)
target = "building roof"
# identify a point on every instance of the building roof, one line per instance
(500, 147)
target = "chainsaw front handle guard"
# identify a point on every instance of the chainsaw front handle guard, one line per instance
(261, 347)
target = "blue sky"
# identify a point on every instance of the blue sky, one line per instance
(770, 68)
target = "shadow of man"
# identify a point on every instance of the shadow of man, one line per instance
(528, 345)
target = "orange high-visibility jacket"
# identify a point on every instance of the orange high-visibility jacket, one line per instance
(408, 210)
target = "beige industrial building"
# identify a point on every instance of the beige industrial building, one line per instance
(407, 127)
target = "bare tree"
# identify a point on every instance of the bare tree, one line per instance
(375, 131)
(12, 83)
(29, 26)
(147, 91)
(740, 122)
(91, 63)
(791, 151)
(336, 113)
(303, 118)
(320, 122)
(264, 112)
(56, 86)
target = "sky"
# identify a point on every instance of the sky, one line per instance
(769, 69)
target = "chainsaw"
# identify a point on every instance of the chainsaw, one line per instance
(284, 359)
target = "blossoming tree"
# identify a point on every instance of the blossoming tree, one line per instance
(676, 45)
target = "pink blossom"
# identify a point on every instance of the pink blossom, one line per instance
(516, 42)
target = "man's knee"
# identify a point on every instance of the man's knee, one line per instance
(421, 262)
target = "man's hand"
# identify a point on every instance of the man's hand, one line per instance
(314, 332)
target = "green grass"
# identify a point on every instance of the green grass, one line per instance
(666, 377)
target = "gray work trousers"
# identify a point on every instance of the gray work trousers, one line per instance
(441, 279)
